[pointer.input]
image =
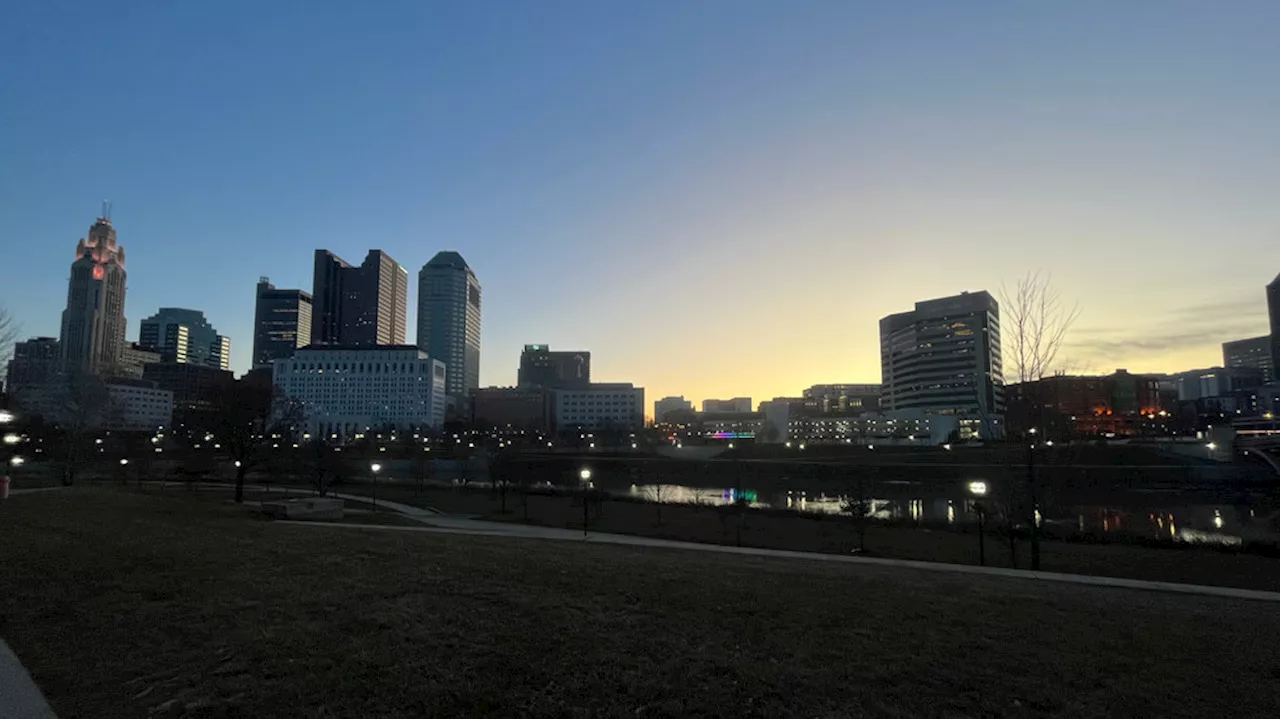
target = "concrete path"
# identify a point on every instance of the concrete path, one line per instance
(454, 525)
(20, 698)
(438, 522)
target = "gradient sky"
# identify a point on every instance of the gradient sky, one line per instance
(716, 198)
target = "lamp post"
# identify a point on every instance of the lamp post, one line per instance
(1035, 508)
(979, 489)
(375, 468)
(585, 476)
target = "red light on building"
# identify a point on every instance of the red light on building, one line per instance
(99, 272)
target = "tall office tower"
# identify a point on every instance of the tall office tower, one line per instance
(449, 320)
(1273, 313)
(1254, 352)
(541, 367)
(281, 323)
(359, 306)
(93, 323)
(944, 357)
(182, 335)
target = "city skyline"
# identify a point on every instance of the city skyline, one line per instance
(868, 156)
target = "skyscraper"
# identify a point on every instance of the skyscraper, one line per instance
(944, 357)
(1254, 352)
(93, 323)
(281, 323)
(1273, 313)
(449, 320)
(364, 306)
(182, 335)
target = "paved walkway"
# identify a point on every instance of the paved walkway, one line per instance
(445, 524)
(20, 698)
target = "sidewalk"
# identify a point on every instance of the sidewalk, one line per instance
(444, 524)
(20, 698)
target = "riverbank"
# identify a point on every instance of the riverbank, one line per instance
(1246, 566)
(170, 602)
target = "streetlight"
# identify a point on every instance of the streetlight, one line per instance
(12, 439)
(5, 416)
(17, 461)
(979, 489)
(124, 462)
(375, 468)
(585, 475)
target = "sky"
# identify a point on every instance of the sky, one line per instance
(716, 198)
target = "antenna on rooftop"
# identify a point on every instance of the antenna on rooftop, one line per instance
(106, 210)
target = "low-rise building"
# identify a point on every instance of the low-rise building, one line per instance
(133, 358)
(665, 407)
(598, 406)
(34, 362)
(511, 408)
(841, 398)
(737, 404)
(198, 390)
(138, 406)
(345, 390)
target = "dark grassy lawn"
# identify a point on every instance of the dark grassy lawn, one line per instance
(126, 604)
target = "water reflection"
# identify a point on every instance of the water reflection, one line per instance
(1219, 524)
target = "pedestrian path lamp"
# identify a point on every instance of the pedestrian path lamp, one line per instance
(375, 468)
(979, 490)
(585, 476)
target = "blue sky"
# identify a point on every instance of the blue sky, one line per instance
(716, 198)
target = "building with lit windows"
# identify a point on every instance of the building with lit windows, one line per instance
(183, 335)
(841, 398)
(1254, 352)
(93, 322)
(345, 390)
(599, 406)
(449, 320)
(358, 306)
(281, 322)
(944, 357)
(560, 369)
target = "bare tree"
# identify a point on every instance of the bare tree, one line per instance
(252, 421)
(1034, 324)
(75, 404)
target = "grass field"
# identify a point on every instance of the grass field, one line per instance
(166, 604)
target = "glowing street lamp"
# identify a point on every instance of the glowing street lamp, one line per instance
(375, 468)
(585, 475)
(6, 416)
(979, 489)
(12, 439)
(17, 461)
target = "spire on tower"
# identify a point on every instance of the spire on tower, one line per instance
(106, 210)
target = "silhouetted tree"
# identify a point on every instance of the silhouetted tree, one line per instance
(253, 421)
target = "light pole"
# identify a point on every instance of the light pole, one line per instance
(979, 489)
(375, 467)
(1035, 509)
(585, 476)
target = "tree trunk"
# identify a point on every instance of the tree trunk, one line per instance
(240, 473)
